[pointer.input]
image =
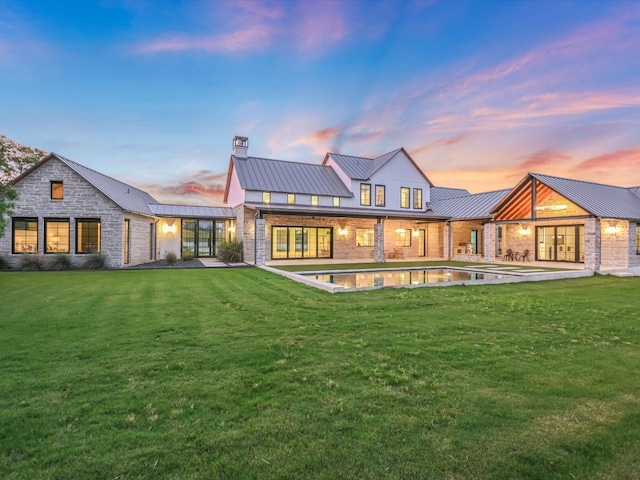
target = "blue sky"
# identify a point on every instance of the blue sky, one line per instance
(152, 92)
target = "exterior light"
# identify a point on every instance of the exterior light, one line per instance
(612, 229)
(416, 233)
(231, 229)
(342, 231)
(551, 207)
(166, 228)
(524, 230)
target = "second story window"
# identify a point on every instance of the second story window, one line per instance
(365, 194)
(336, 201)
(380, 196)
(417, 198)
(57, 190)
(405, 195)
(291, 198)
(266, 197)
(314, 200)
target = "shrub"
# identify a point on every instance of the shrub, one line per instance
(4, 263)
(171, 258)
(230, 252)
(31, 261)
(60, 261)
(187, 255)
(95, 261)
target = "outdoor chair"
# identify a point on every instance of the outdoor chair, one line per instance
(525, 256)
(508, 255)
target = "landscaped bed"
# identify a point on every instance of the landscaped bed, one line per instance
(240, 373)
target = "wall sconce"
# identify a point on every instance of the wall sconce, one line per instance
(416, 233)
(524, 230)
(231, 229)
(166, 228)
(400, 231)
(342, 231)
(612, 229)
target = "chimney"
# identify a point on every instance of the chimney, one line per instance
(240, 147)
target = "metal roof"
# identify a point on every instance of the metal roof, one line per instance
(478, 205)
(604, 201)
(263, 174)
(442, 193)
(191, 211)
(127, 197)
(356, 168)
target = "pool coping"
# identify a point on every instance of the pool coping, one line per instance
(517, 277)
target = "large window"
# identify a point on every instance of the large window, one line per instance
(301, 242)
(380, 196)
(364, 237)
(56, 235)
(562, 243)
(88, 235)
(25, 235)
(57, 190)
(638, 239)
(365, 194)
(127, 238)
(403, 237)
(405, 194)
(417, 198)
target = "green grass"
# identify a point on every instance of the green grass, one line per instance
(239, 373)
(396, 264)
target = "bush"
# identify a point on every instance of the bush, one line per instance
(171, 258)
(4, 263)
(31, 262)
(95, 261)
(60, 261)
(187, 255)
(230, 252)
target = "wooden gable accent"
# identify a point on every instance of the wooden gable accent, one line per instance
(533, 199)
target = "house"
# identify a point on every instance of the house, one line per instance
(346, 208)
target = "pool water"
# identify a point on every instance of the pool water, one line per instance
(386, 278)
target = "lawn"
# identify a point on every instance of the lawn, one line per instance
(240, 373)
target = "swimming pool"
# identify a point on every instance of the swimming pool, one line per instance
(402, 277)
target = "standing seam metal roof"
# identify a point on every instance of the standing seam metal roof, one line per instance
(478, 205)
(263, 174)
(442, 193)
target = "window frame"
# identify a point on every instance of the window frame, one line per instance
(80, 250)
(314, 200)
(291, 198)
(126, 230)
(266, 197)
(366, 240)
(365, 194)
(336, 201)
(406, 241)
(637, 238)
(417, 198)
(47, 221)
(32, 220)
(52, 186)
(383, 189)
(404, 204)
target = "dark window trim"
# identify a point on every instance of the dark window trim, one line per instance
(579, 253)
(407, 233)
(127, 240)
(13, 234)
(408, 189)
(416, 204)
(59, 220)
(363, 187)
(78, 244)
(273, 227)
(373, 242)
(384, 195)
(51, 185)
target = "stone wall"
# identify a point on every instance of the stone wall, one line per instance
(81, 200)
(616, 246)
(140, 236)
(461, 236)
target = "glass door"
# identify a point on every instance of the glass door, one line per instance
(205, 238)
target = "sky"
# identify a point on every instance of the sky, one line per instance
(152, 92)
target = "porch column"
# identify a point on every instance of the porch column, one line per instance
(378, 249)
(592, 244)
(489, 241)
(261, 242)
(447, 241)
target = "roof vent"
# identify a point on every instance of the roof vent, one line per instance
(240, 147)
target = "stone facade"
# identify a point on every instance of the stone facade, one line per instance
(81, 200)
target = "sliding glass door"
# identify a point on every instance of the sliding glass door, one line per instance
(301, 242)
(562, 243)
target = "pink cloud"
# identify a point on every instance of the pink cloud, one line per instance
(199, 188)
(542, 158)
(443, 142)
(629, 159)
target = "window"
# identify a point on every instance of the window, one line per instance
(25, 235)
(127, 238)
(88, 235)
(266, 197)
(152, 238)
(365, 194)
(314, 200)
(56, 235)
(405, 195)
(364, 237)
(403, 237)
(380, 196)
(336, 201)
(291, 198)
(57, 190)
(301, 242)
(638, 239)
(417, 198)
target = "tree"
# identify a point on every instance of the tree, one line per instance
(14, 159)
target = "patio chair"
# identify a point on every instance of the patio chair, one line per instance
(508, 255)
(525, 255)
